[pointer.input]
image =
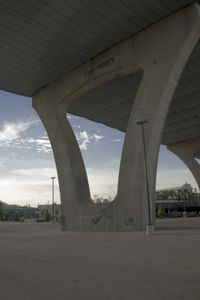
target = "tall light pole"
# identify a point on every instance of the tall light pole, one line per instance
(52, 178)
(141, 123)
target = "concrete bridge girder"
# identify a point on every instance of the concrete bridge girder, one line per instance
(161, 51)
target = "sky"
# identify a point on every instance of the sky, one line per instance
(27, 163)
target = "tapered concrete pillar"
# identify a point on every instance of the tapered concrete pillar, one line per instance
(187, 151)
(163, 54)
(71, 171)
(79, 212)
(161, 51)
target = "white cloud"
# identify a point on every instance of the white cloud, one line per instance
(12, 136)
(11, 131)
(116, 140)
(42, 144)
(97, 137)
(84, 139)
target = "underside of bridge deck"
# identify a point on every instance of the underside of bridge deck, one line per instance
(116, 62)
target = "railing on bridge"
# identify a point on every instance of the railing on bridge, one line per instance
(178, 199)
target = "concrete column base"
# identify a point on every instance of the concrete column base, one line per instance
(150, 228)
(184, 214)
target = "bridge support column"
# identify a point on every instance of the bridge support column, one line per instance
(164, 51)
(187, 151)
(70, 168)
(79, 212)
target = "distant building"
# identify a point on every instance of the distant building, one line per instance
(19, 213)
(46, 210)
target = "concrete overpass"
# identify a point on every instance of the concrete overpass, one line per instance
(115, 62)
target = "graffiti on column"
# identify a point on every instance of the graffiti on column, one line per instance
(129, 221)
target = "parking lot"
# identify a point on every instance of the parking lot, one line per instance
(39, 261)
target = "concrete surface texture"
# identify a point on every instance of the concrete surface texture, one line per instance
(161, 52)
(46, 39)
(38, 261)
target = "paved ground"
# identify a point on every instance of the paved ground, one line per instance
(38, 261)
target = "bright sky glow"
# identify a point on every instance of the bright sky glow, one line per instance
(27, 162)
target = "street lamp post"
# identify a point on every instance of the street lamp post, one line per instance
(52, 178)
(141, 123)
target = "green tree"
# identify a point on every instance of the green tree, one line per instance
(47, 215)
(1, 214)
(17, 217)
(161, 213)
(1, 211)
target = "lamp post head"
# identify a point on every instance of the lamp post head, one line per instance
(142, 122)
(53, 177)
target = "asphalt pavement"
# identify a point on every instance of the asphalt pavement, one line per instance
(40, 262)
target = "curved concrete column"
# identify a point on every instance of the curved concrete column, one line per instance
(70, 167)
(79, 212)
(186, 151)
(165, 50)
(162, 51)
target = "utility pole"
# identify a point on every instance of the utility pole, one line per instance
(52, 178)
(150, 223)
